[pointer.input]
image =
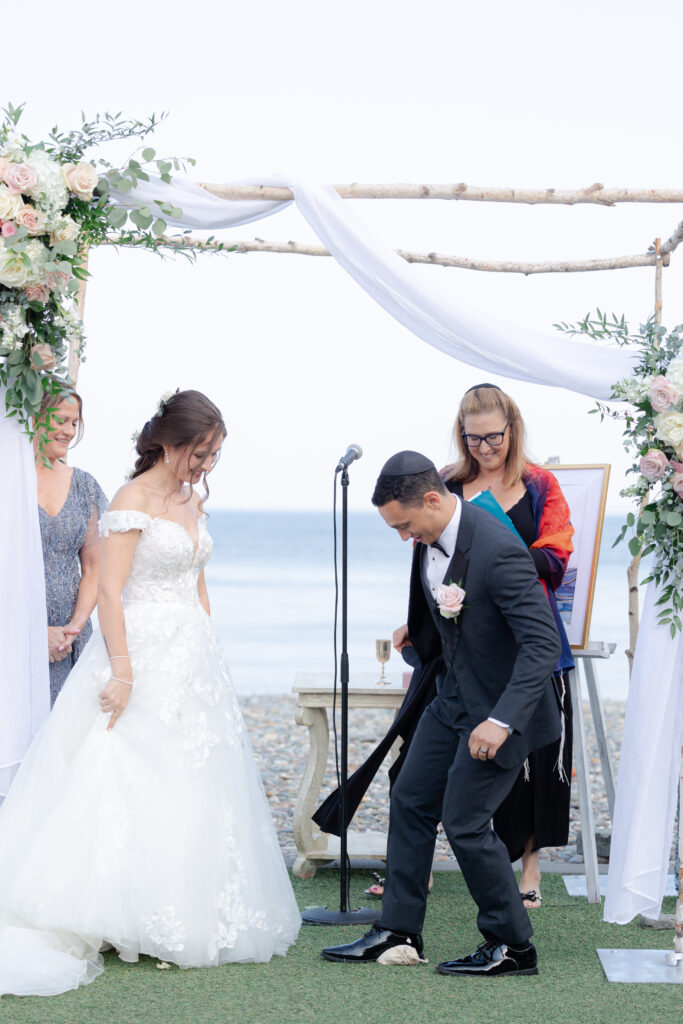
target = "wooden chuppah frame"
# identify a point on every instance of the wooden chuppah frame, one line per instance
(657, 255)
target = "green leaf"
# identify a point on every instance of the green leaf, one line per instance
(117, 216)
(148, 154)
(634, 545)
(630, 519)
(159, 226)
(674, 518)
(140, 219)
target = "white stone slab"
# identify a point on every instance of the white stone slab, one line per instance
(647, 966)
(576, 885)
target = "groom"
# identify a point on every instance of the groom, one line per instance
(495, 703)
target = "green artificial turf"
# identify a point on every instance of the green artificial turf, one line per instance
(302, 987)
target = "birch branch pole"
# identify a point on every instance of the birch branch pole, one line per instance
(596, 194)
(647, 259)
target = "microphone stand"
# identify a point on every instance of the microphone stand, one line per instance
(363, 915)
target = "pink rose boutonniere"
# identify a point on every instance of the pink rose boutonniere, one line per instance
(449, 600)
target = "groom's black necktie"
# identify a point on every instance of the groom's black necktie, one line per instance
(439, 548)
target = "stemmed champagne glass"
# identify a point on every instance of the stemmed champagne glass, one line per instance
(383, 651)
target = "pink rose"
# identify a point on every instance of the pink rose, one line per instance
(31, 219)
(4, 164)
(58, 280)
(677, 483)
(45, 355)
(663, 394)
(21, 179)
(37, 293)
(449, 599)
(8, 229)
(653, 465)
(81, 179)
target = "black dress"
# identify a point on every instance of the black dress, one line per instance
(538, 804)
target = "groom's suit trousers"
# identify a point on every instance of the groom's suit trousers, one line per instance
(441, 781)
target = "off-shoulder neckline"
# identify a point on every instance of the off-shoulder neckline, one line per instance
(163, 519)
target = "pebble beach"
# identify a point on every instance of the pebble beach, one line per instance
(281, 751)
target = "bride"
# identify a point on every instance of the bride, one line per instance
(137, 819)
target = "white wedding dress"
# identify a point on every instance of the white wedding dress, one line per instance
(154, 836)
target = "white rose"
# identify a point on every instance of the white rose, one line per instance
(675, 372)
(13, 273)
(81, 179)
(670, 428)
(10, 204)
(64, 230)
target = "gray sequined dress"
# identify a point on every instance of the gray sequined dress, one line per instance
(63, 536)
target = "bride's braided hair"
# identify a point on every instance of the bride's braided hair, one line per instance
(182, 421)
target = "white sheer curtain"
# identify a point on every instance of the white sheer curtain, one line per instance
(442, 319)
(648, 772)
(24, 673)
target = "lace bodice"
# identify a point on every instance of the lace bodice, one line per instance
(165, 564)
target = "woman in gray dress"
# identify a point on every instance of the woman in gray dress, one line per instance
(70, 502)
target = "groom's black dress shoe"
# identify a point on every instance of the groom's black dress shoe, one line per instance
(493, 959)
(379, 945)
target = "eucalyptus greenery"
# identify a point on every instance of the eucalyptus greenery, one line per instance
(43, 265)
(653, 437)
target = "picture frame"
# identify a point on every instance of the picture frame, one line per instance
(585, 489)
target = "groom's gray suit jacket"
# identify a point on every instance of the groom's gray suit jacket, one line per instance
(500, 652)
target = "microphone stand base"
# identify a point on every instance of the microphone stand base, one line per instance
(323, 916)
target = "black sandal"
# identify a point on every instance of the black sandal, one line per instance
(533, 897)
(376, 890)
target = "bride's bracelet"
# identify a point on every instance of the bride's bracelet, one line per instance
(117, 679)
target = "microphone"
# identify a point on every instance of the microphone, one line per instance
(353, 452)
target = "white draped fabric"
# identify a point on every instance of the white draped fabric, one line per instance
(201, 209)
(648, 772)
(24, 674)
(444, 320)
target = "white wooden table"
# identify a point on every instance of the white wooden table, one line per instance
(314, 695)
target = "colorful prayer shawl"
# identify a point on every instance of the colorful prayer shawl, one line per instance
(553, 537)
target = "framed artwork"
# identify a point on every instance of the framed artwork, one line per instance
(585, 488)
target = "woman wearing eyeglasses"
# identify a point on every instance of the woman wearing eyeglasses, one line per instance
(490, 437)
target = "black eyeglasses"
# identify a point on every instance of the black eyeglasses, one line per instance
(494, 440)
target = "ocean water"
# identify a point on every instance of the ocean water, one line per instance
(271, 585)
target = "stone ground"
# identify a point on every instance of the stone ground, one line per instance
(281, 750)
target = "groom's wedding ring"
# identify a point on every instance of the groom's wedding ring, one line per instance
(482, 750)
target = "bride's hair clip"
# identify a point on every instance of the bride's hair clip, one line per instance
(164, 400)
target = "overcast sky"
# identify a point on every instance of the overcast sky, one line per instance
(299, 359)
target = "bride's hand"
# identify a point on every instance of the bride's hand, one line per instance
(113, 699)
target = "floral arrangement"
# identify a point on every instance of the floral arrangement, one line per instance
(55, 204)
(653, 435)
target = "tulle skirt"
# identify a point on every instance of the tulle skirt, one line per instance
(155, 836)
